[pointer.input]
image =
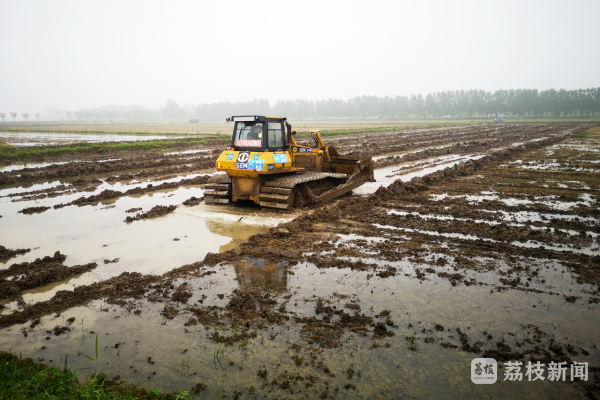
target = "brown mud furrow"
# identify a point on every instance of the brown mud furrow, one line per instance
(42, 271)
(161, 164)
(126, 285)
(108, 194)
(7, 254)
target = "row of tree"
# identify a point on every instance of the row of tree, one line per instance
(14, 116)
(25, 116)
(450, 104)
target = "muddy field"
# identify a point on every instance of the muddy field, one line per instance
(475, 241)
(182, 127)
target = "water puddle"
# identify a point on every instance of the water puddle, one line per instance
(590, 250)
(151, 246)
(401, 155)
(386, 176)
(585, 200)
(46, 139)
(242, 215)
(18, 167)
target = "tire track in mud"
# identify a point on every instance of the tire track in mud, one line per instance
(159, 165)
(108, 194)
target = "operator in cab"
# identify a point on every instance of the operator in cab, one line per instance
(256, 132)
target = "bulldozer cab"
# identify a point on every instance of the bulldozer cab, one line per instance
(258, 133)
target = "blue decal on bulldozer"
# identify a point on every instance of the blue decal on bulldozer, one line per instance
(270, 167)
(256, 164)
(280, 158)
(256, 156)
(241, 165)
(230, 157)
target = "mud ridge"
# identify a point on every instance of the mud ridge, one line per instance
(42, 271)
(156, 211)
(7, 254)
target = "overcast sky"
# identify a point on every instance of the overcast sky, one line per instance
(77, 54)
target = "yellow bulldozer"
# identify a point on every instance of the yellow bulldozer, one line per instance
(265, 165)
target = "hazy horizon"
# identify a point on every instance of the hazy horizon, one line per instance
(70, 55)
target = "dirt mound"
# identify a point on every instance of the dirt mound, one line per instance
(7, 254)
(150, 188)
(249, 308)
(328, 330)
(24, 268)
(156, 211)
(126, 285)
(253, 305)
(37, 273)
(34, 210)
(86, 182)
(193, 201)
(102, 196)
(182, 294)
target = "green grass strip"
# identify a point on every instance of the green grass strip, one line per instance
(23, 379)
(16, 152)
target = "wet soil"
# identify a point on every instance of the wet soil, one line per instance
(156, 211)
(34, 210)
(193, 201)
(485, 227)
(42, 271)
(7, 254)
(113, 194)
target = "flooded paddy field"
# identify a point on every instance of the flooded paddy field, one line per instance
(48, 139)
(205, 127)
(475, 242)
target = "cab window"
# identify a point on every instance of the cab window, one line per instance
(275, 134)
(248, 134)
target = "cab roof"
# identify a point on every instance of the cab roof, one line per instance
(251, 118)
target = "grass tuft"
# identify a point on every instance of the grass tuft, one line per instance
(22, 379)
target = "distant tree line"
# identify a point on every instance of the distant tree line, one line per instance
(171, 110)
(450, 104)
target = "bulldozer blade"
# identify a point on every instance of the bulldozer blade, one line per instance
(342, 189)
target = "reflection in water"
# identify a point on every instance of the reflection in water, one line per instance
(236, 231)
(252, 271)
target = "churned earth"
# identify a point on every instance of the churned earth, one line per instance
(475, 241)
